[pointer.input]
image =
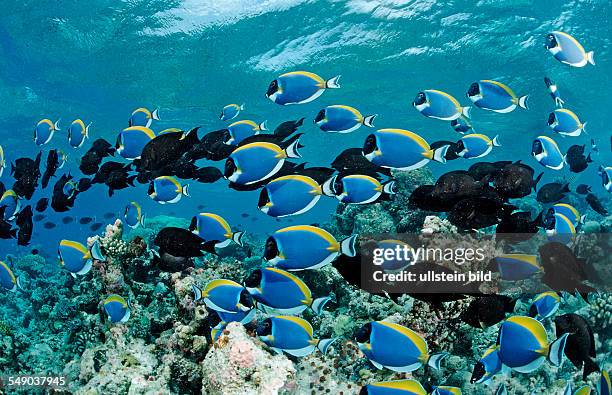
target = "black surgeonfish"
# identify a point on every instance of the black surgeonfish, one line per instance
(90, 162)
(552, 192)
(180, 242)
(352, 159)
(164, 150)
(595, 204)
(487, 310)
(580, 346)
(53, 163)
(6, 229)
(478, 213)
(514, 180)
(24, 222)
(26, 172)
(576, 160)
(563, 271)
(62, 201)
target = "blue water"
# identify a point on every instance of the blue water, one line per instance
(100, 61)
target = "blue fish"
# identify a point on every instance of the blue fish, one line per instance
(223, 295)
(133, 215)
(566, 122)
(546, 151)
(8, 280)
(292, 335)
(395, 347)
(167, 189)
(523, 344)
(560, 228)
(568, 211)
(566, 49)
(76, 258)
(240, 130)
(342, 119)
(394, 387)
(495, 96)
(299, 87)
(43, 133)
(516, 267)
(606, 177)
(2, 161)
(439, 105)
(487, 366)
(231, 111)
(358, 188)
(400, 149)
(303, 247)
(77, 133)
(213, 227)
(544, 305)
(10, 200)
(289, 195)
(584, 390)
(280, 291)
(605, 386)
(258, 161)
(143, 117)
(473, 146)
(462, 125)
(131, 141)
(244, 317)
(445, 390)
(117, 309)
(554, 92)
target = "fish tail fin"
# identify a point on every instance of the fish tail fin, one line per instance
(333, 83)
(435, 360)
(323, 344)
(559, 102)
(197, 293)
(590, 366)
(18, 281)
(584, 127)
(242, 107)
(583, 219)
(155, 114)
(237, 238)
(87, 130)
(142, 220)
(440, 153)
(185, 190)
(263, 125)
(347, 246)
(326, 188)
(56, 124)
(556, 349)
(292, 150)
(496, 142)
(591, 57)
(589, 159)
(465, 111)
(522, 102)
(96, 251)
(369, 120)
(319, 303)
(537, 179)
(389, 187)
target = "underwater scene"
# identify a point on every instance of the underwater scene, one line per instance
(383, 197)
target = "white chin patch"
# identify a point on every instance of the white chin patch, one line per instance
(371, 156)
(273, 96)
(540, 156)
(555, 50)
(265, 209)
(423, 106)
(234, 176)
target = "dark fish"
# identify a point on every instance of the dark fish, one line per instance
(180, 242)
(451, 152)
(26, 173)
(67, 220)
(457, 185)
(119, 180)
(201, 207)
(42, 204)
(552, 192)
(166, 149)
(563, 271)
(49, 225)
(595, 204)
(109, 215)
(95, 226)
(60, 202)
(244, 215)
(580, 345)
(34, 252)
(6, 229)
(352, 159)
(212, 147)
(422, 198)
(519, 226)
(481, 170)
(576, 160)
(85, 220)
(514, 180)
(287, 128)
(170, 263)
(39, 217)
(487, 310)
(478, 213)
(52, 166)
(84, 184)
(583, 189)
(2, 188)
(90, 162)
(24, 222)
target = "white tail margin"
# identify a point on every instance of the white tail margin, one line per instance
(333, 83)
(347, 246)
(155, 114)
(435, 360)
(237, 238)
(369, 120)
(389, 187)
(556, 349)
(496, 142)
(323, 344)
(466, 111)
(185, 190)
(584, 127)
(292, 150)
(96, 251)
(241, 107)
(522, 102)
(440, 153)
(591, 57)
(319, 303)
(263, 125)
(56, 124)
(327, 189)
(197, 293)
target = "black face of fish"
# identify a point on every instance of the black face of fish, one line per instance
(265, 328)
(536, 147)
(370, 145)
(551, 118)
(264, 198)
(151, 189)
(271, 250)
(547, 81)
(337, 186)
(549, 219)
(363, 334)
(473, 90)
(246, 299)
(478, 373)
(272, 88)
(253, 280)
(320, 116)
(550, 41)
(420, 98)
(230, 168)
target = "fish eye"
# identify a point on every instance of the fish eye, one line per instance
(420, 98)
(271, 250)
(230, 168)
(536, 148)
(273, 88)
(551, 118)
(363, 334)
(474, 90)
(551, 41)
(370, 144)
